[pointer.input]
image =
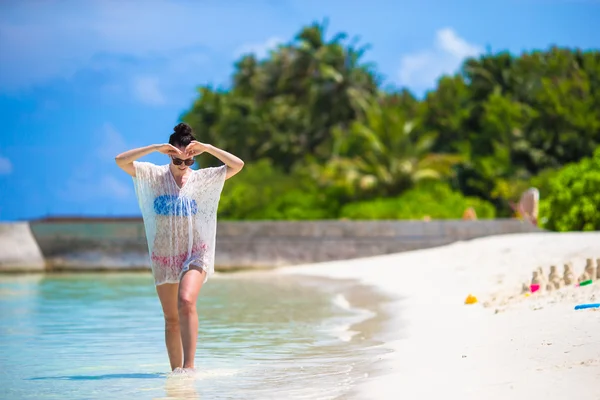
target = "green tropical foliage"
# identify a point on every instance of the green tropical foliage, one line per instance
(261, 191)
(574, 196)
(322, 138)
(434, 200)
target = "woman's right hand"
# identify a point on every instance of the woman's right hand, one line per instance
(169, 149)
(125, 160)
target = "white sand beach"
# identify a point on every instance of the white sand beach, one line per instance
(506, 346)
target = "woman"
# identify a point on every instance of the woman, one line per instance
(179, 207)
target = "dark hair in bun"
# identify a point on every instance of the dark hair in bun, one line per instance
(182, 135)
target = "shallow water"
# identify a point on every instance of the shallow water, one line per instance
(102, 336)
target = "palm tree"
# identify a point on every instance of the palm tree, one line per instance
(383, 155)
(330, 80)
(287, 105)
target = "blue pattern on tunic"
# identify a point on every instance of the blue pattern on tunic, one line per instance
(169, 204)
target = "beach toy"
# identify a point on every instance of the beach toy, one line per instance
(584, 277)
(471, 299)
(534, 287)
(584, 283)
(584, 306)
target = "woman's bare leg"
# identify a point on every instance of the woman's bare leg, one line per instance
(167, 293)
(189, 287)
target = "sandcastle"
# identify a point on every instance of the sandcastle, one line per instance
(568, 275)
(554, 281)
(589, 272)
(537, 278)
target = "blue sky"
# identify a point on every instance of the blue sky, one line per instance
(81, 81)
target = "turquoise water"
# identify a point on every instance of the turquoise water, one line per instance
(97, 336)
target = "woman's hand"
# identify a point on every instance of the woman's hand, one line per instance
(195, 148)
(125, 160)
(169, 150)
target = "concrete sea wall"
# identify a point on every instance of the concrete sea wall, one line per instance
(92, 244)
(18, 249)
(260, 244)
(80, 244)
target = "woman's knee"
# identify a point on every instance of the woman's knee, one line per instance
(172, 319)
(186, 303)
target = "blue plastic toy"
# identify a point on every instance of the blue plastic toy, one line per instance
(583, 306)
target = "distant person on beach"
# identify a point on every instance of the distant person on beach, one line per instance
(469, 214)
(528, 206)
(179, 208)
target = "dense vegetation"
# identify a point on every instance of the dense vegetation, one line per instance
(323, 139)
(574, 196)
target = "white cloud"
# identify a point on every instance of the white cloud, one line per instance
(5, 166)
(146, 90)
(420, 70)
(43, 40)
(111, 143)
(260, 50)
(61, 38)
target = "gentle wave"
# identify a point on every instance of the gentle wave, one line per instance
(343, 330)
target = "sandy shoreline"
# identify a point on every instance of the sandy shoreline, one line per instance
(513, 347)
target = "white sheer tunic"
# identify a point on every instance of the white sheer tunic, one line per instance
(180, 223)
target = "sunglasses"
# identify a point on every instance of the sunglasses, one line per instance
(178, 161)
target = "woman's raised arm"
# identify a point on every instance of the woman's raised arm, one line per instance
(125, 160)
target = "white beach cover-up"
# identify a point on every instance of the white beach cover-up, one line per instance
(180, 223)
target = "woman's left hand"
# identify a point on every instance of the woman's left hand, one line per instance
(195, 148)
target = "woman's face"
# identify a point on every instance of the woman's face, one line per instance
(182, 161)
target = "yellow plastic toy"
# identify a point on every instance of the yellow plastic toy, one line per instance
(471, 299)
